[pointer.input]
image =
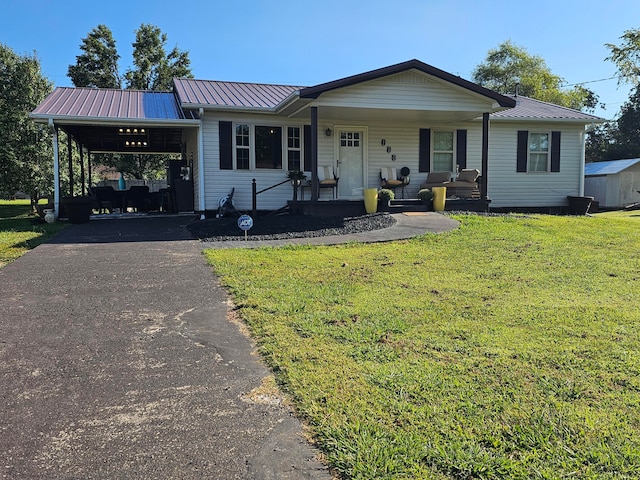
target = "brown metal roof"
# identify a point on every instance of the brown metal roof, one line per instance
(206, 93)
(530, 109)
(99, 103)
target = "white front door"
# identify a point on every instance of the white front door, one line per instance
(351, 163)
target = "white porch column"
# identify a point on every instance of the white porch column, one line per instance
(314, 154)
(201, 202)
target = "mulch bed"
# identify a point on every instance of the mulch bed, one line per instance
(282, 227)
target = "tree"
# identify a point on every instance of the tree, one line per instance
(98, 65)
(510, 69)
(25, 147)
(626, 139)
(154, 69)
(627, 57)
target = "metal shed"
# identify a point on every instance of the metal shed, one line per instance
(613, 183)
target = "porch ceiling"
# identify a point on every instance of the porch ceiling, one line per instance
(98, 138)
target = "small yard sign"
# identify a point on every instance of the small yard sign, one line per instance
(245, 222)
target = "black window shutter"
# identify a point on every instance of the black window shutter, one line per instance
(555, 151)
(226, 145)
(522, 151)
(424, 150)
(307, 148)
(461, 149)
(277, 148)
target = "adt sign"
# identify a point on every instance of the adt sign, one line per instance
(245, 222)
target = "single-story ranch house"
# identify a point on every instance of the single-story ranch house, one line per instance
(411, 116)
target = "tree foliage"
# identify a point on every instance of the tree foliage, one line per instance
(25, 147)
(510, 69)
(626, 57)
(97, 66)
(154, 68)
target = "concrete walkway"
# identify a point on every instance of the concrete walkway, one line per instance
(118, 361)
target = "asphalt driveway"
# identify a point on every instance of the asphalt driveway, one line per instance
(118, 361)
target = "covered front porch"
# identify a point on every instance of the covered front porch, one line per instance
(408, 117)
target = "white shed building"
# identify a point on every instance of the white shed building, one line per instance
(613, 183)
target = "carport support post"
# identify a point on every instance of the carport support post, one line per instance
(314, 154)
(56, 167)
(82, 178)
(485, 155)
(70, 159)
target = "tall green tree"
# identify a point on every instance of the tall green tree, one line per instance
(510, 69)
(626, 57)
(97, 66)
(154, 69)
(25, 147)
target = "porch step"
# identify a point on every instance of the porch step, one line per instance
(407, 205)
(405, 201)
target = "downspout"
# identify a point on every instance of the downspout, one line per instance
(201, 202)
(56, 168)
(583, 148)
(484, 183)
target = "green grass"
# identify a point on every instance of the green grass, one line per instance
(20, 231)
(505, 349)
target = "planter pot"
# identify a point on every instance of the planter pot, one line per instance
(49, 215)
(384, 205)
(371, 200)
(77, 209)
(439, 197)
(579, 205)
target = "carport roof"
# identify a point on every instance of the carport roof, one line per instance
(66, 103)
(97, 118)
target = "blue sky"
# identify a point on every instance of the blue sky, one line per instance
(310, 42)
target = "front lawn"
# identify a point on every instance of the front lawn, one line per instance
(508, 348)
(21, 231)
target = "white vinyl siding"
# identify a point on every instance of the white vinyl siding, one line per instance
(406, 91)
(507, 188)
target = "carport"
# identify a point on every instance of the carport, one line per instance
(120, 121)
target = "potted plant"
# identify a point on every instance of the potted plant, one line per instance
(426, 196)
(296, 177)
(385, 196)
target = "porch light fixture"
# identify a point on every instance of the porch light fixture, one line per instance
(327, 132)
(132, 131)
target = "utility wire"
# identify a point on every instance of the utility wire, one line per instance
(591, 81)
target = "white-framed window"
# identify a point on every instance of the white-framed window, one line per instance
(294, 148)
(443, 151)
(539, 146)
(243, 147)
(263, 147)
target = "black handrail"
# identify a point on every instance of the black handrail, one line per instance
(255, 193)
